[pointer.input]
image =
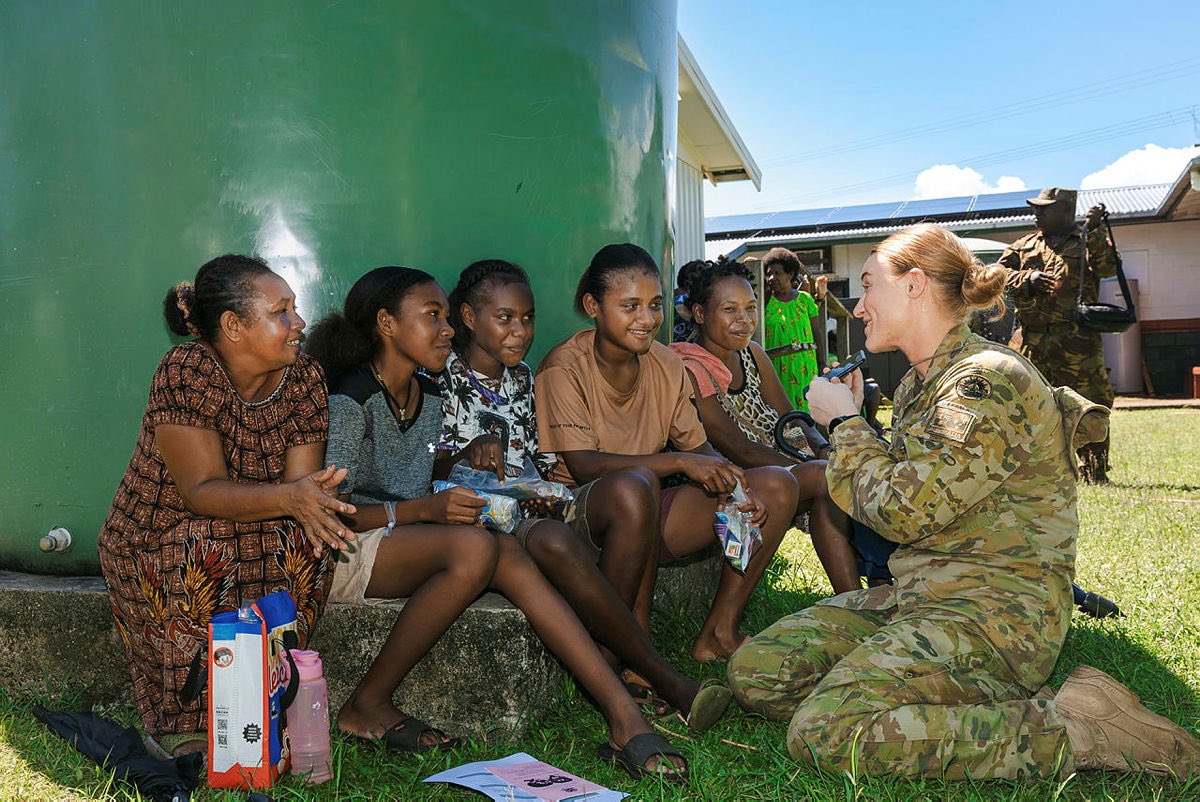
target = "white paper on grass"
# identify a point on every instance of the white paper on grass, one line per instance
(477, 777)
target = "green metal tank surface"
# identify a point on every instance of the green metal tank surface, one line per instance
(138, 140)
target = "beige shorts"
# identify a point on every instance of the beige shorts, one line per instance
(352, 567)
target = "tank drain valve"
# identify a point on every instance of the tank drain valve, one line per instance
(56, 540)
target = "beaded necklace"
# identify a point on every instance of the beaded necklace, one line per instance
(488, 393)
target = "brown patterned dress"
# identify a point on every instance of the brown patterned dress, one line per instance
(169, 570)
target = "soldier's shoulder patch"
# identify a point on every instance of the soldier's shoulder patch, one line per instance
(952, 421)
(973, 387)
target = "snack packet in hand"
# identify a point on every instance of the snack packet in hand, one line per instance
(502, 513)
(739, 539)
(528, 485)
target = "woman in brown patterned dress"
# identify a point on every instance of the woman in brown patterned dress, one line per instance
(225, 498)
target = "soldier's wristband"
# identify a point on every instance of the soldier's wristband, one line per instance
(839, 420)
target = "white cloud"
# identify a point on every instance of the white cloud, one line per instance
(950, 180)
(1149, 165)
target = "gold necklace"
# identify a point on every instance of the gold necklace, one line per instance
(398, 409)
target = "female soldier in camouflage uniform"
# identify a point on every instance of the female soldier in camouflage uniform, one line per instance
(937, 675)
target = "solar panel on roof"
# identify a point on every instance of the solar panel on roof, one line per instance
(932, 207)
(869, 211)
(1003, 200)
(736, 222)
(799, 217)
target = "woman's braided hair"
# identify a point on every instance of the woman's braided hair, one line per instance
(474, 279)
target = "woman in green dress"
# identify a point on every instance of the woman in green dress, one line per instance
(787, 325)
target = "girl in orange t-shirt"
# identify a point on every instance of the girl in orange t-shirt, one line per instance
(611, 399)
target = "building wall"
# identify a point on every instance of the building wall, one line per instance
(689, 208)
(1165, 259)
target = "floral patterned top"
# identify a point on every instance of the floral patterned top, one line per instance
(474, 404)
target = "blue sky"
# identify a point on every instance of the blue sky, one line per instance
(893, 86)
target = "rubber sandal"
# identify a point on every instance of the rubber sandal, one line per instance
(405, 736)
(636, 753)
(650, 702)
(711, 702)
(644, 694)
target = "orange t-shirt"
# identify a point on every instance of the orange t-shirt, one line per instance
(578, 410)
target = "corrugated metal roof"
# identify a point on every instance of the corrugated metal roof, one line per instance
(1125, 201)
(1003, 208)
(714, 247)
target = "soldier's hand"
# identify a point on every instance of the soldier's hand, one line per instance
(832, 399)
(1095, 216)
(1044, 282)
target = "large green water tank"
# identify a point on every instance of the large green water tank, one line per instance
(138, 139)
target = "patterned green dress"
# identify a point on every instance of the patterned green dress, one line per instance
(789, 322)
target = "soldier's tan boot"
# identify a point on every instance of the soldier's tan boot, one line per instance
(1109, 728)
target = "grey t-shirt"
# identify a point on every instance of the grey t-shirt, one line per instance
(384, 463)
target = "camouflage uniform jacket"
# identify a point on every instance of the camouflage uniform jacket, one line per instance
(1032, 253)
(978, 488)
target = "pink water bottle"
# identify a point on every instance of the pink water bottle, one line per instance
(308, 719)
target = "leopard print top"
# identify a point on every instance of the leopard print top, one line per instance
(746, 407)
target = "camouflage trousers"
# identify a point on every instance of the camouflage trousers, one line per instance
(927, 696)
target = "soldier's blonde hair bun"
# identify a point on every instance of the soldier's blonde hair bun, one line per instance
(960, 281)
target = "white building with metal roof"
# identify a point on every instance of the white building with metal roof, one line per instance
(1157, 229)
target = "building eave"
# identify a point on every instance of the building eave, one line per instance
(710, 133)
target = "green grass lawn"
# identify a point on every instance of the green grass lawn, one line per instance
(1139, 545)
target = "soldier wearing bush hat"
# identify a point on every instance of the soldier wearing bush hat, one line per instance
(1044, 275)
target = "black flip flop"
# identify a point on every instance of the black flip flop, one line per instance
(405, 736)
(636, 753)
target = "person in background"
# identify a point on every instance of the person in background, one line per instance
(787, 325)
(1043, 279)
(226, 498)
(611, 399)
(942, 675)
(684, 331)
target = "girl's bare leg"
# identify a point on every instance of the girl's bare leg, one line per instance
(829, 527)
(689, 529)
(622, 515)
(566, 562)
(441, 569)
(518, 578)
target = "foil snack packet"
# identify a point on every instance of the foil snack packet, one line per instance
(738, 538)
(501, 513)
